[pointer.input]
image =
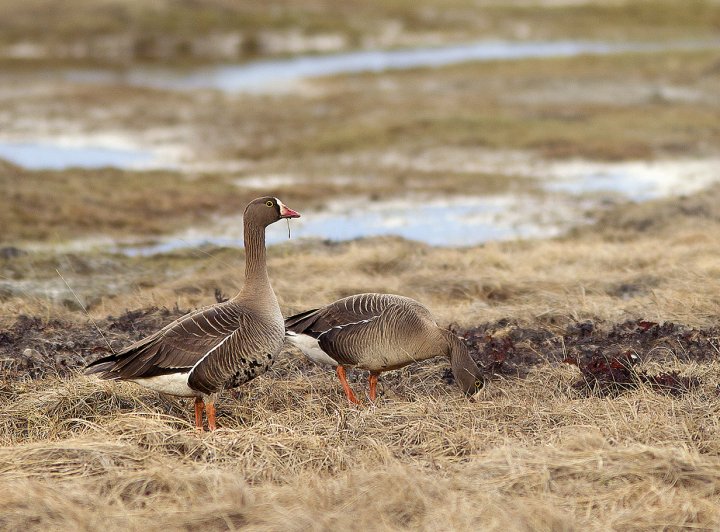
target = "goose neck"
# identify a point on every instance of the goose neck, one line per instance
(256, 275)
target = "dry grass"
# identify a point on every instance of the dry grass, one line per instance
(596, 107)
(658, 262)
(138, 204)
(113, 203)
(531, 453)
(528, 454)
(121, 31)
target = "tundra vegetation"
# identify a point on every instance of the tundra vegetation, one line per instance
(600, 346)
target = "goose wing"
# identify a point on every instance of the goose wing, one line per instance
(339, 314)
(346, 325)
(176, 348)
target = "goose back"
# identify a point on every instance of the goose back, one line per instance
(377, 332)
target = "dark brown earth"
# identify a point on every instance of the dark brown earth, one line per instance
(33, 347)
(607, 355)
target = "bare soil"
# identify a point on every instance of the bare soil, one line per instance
(33, 348)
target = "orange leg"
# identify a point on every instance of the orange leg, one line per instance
(211, 416)
(199, 407)
(343, 380)
(373, 385)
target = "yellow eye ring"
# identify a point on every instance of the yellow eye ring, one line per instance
(269, 203)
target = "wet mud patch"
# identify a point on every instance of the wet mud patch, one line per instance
(609, 357)
(33, 347)
(610, 375)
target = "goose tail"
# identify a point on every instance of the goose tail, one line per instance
(101, 366)
(299, 323)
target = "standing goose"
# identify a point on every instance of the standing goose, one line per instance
(217, 347)
(378, 332)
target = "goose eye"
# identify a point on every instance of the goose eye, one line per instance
(269, 203)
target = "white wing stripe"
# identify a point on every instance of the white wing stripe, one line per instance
(210, 323)
(210, 352)
(348, 324)
(182, 325)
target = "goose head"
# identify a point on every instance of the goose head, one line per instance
(267, 210)
(467, 374)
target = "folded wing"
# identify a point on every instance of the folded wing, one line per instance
(176, 348)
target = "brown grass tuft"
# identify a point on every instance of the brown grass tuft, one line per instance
(526, 453)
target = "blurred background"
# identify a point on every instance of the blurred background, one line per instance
(544, 175)
(132, 129)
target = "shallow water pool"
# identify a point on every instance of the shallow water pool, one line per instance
(279, 75)
(50, 156)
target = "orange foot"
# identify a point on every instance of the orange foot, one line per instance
(373, 385)
(346, 386)
(211, 416)
(199, 407)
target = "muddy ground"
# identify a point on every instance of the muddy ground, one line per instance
(608, 356)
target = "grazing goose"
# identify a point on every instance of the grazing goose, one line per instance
(220, 346)
(378, 332)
